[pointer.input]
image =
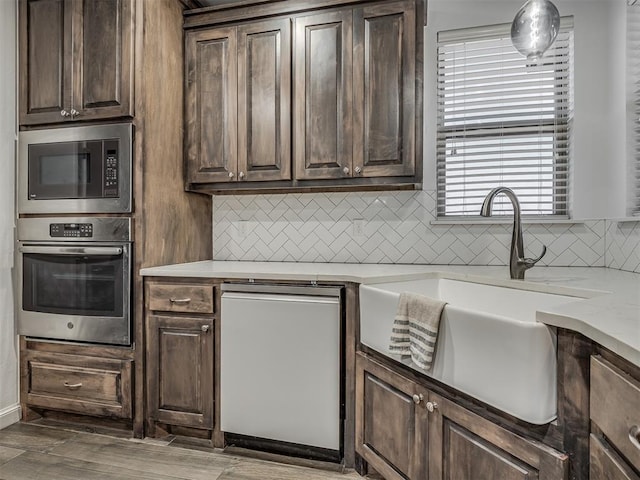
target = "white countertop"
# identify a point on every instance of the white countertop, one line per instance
(609, 314)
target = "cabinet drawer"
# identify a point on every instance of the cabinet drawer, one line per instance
(615, 400)
(187, 298)
(606, 464)
(87, 385)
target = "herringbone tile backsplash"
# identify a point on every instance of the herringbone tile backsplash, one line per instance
(623, 245)
(390, 227)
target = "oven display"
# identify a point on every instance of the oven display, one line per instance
(65, 230)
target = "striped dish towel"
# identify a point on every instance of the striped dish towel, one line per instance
(415, 328)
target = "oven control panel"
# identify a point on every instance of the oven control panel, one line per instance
(62, 230)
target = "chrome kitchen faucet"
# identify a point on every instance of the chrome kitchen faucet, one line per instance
(517, 263)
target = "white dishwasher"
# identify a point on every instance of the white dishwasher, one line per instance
(280, 363)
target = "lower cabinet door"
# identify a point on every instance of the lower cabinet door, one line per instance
(465, 446)
(606, 464)
(391, 429)
(180, 370)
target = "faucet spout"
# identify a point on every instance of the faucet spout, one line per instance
(518, 264)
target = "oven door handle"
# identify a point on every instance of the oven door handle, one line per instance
(92, 251)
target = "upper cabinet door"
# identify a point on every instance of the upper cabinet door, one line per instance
(76, 60)
(264, 92)
(45, 71)
(103, 59)
(385, 89)
(211, 119)
(323, 114)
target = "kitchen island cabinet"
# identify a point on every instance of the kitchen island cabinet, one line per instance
(76, 60)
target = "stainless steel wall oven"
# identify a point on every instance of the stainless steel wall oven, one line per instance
(75, 279)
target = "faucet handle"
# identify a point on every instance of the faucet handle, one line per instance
(530, 262)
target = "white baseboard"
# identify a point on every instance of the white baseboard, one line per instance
(9, 415)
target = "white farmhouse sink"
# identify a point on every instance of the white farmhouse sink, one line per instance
(490, 345)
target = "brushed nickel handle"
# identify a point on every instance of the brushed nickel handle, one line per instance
(241, 175)
(64, 113)
(634, 436)
(205, 328)
(358, 170)
(73, 386)
(74, 112)
(417, 398)
(431, 406)
(231, 174)
(346, 170)
(180, 301)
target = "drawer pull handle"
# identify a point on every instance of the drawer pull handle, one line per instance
(73, 386)
(180, 301)
(634, 436)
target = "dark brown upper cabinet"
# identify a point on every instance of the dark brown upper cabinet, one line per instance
(304, 96)
(384, 74)
(75, 60)
(238, 103)
(323, 103)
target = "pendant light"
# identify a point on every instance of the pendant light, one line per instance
(535, 28)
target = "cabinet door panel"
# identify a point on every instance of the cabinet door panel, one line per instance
(391, 429)
(264, 90)
(606, 464)
(103, 59)
(211, 109)
(465, 446)
(45, 68)
(323, 96)
(180, 370)
(384, 89)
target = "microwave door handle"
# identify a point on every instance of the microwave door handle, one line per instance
(93, 251)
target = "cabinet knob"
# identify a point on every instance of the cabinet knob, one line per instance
(74, 112)
(64, 113)
(346, 170)
(205, 328)
(231, 175)
(417, 398)
(358, 170)
(431, 406)
(241, 175)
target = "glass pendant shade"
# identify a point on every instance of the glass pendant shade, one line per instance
(535, 27)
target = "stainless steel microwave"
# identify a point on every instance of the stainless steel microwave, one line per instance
(84, 169)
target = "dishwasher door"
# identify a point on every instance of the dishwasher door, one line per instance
(280, 364)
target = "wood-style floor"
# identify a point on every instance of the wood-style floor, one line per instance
(36, 452)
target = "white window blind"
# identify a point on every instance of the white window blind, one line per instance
(503, 122)
(633, 59)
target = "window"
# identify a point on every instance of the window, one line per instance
(503, 121)
(633, 89)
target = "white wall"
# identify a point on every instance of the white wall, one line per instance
(599, 165)
(9, 409)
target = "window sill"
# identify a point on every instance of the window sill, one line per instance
(507, 220)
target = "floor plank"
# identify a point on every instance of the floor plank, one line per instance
(7, 453)
(30, 452)
(261, 470)
(41, 466)
(146, 457)
(34, 438)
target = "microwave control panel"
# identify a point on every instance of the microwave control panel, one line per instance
(110, 169)
(66, 230)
